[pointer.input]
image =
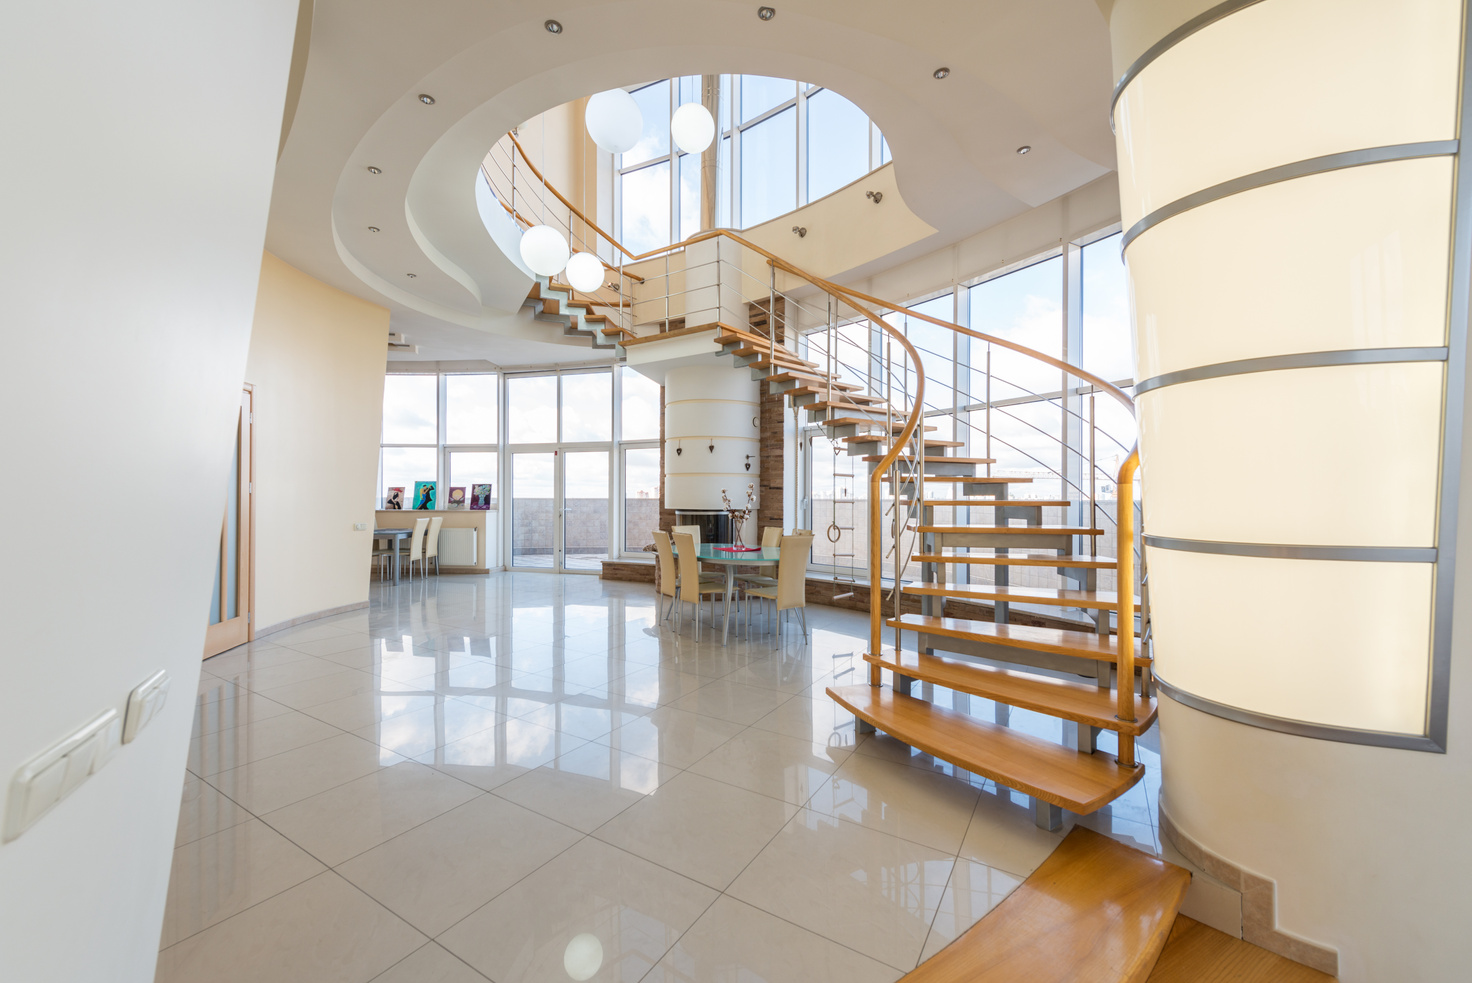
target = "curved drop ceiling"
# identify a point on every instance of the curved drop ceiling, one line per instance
(1034, 72)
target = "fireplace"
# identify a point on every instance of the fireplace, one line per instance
(715, 526)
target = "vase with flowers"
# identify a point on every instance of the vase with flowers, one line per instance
(739, 516)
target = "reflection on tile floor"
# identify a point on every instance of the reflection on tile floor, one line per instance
(521, 777)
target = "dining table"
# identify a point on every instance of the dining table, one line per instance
(729, 557)
(394, 536)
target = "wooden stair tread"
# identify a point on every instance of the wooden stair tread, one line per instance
(808, 377)
(645, 339)
(1022, 560)
(1078, 782)
(1009, 503)
(1086, 703)
(1015, 530)
(941, 458)
(978, 479)
(821, 390)
(854, 421)
(1096, 911)
(782, 356)
(872, 438)
(1197, 953)
(1059, 641)
(1102, 600)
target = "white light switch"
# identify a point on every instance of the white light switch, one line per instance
(360, 526)
(144, 703)
(53, 774)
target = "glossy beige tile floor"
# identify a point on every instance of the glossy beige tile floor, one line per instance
(523, 777)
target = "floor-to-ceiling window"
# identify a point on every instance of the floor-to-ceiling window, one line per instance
(782, 144)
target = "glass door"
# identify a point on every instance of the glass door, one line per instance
(533, 510)
(585, 510)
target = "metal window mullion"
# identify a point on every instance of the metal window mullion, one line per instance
(802, 148)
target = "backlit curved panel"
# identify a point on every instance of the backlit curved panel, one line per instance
(1290, 639)
(1285, 81)
(1354, 258)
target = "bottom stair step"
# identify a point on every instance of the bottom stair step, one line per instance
(1078, 782)
(1096, 911)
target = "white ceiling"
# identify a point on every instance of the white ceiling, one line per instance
(1034, 72)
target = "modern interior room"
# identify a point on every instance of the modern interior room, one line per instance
(694, 491)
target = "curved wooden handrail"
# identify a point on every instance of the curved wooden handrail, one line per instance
(1125, 548)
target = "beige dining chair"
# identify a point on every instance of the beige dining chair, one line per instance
(432, 542)
(771, 539)
(693, 531)
(694, 585)
(791, 590)
(669, 580)
(771, 536)
(415, 549)
(383, 554)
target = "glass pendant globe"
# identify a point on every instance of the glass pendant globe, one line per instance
(543, 250)
(614, 121)
(692, 127)
(585, 272)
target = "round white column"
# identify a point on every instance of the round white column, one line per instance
(711, 429)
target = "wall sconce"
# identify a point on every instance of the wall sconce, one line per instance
(748, 462)
(801, 230)
(874, 196)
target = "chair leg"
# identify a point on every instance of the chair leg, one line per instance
(802, 614)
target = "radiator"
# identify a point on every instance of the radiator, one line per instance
(457, 547)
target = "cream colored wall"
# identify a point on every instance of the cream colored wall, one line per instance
(1368, 846)
(317, 364)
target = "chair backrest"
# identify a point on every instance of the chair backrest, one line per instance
(416, 541)
(792, 572)
(432, 540)
(666, 563)
(692, 531)
(771, 536)
(688, 564)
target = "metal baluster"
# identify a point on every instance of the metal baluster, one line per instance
(1093, 477)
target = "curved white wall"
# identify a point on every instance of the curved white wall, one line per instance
(707, 405)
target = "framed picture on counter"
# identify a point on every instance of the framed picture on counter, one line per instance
(457, 497)
(426, 495)
(480, 497)
(394, 499)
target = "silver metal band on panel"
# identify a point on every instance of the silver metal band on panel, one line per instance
(1299, 360)
(1453, 404)
(1203, 19)
(1287, 172)
(1299, 728)
(1289, 551)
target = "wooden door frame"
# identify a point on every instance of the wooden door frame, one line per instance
(237, 631)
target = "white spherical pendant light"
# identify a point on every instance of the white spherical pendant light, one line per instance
(543, 250)
(614, 121)
(692, 127)
(585, 272)
(583, 956)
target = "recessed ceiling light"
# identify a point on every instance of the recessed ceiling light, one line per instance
(372, 228)
(426, 98)
(553, 26)
(766, 13)
(1024, 149)
(374, 170)
(411, 275)
(941, 72)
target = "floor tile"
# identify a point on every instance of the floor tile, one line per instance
(974, 890)
(927, 808)
(212, 753)
(736, 943)
(606, 914)
(654, 686)
(867, 890)
(673, 737)
(772, 764)
(819, 720)
(699, 827)
(362, 709)
(204, 810)
(330, 686)
(495, 756)
(323, 929)
(1003, 835)
(323, 647)
(587, 786)
(260, 679)
(247, 658)
(437, 873)
(430, 964)
(732, 701)
(418, 731)
(574, 719)
(225, 873)
(225, 706)
(271, 783)
(342, 822)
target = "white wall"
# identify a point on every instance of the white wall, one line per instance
(316, 362)
(140, 148)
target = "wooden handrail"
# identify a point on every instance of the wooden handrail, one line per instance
(1125, 548)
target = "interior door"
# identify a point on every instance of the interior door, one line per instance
(231, 618)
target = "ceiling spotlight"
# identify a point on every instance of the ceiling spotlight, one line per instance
(553, 26)
(372, 228)
(426, 98)
(766, 13)
(1024, 149)
(374, 170)
(411, 275)
(941, 73)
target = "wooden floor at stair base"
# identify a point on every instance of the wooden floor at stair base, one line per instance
(1086, 703)
(1080, 783)
(1195, 953)
(1096, 911)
